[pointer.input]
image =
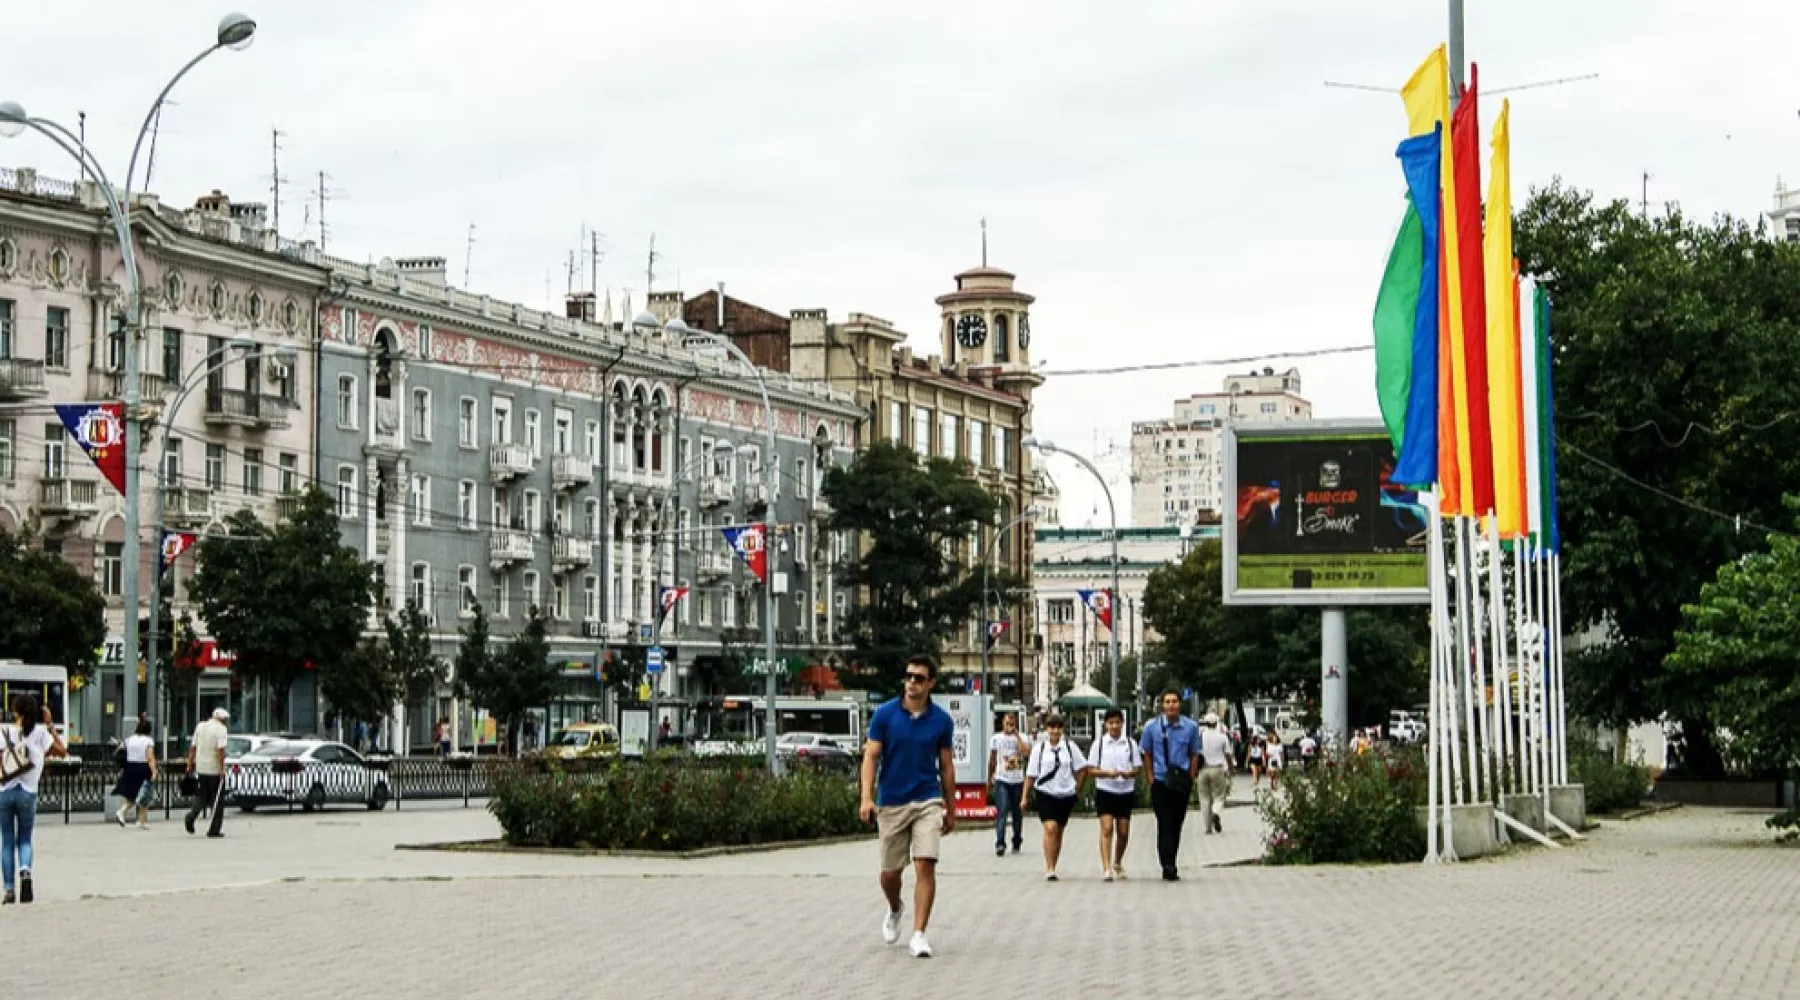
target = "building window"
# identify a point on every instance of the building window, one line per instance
(534, 436)
(421, 500)
(592, 440)
(500, 429)
(921, 431)
(56, 338)
(684, 463)
(6, 329)
(290, 474)
(896, 423)
(421, 415)
(8, 439)
(534, 511)
(593, 518)
(1059, 612)
(115, 345)
(502, 603)
(728, 608)
(421, 588)
(501, 510)
(465, 423)
(562, 512)
(1267, 408)
(590, 598)
(562, 432)
(949, 435)
(112, 569)
(54, 467)
(171, 474)
(1002, 339)
(346, 492)
(531, 591)
(253, 472)
(685, 612)
(465, 588)
(559, 599)
(802, 482)
(424, 341)
(706, 603)
(171, 359)
(215, 466)
(465, 504)
(346, 403)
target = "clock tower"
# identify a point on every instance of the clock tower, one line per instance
(987, 322)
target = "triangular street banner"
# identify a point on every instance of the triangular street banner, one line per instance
(174, 544)
(667, 600)
(100, 430)
(748, 542)
(1100, 603)
(994, 631)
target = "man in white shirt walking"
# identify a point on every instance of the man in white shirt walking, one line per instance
(1006, 783)
(1215, 772)
(206, 761)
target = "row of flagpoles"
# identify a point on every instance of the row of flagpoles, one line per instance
(1463, 376)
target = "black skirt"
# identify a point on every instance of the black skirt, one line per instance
(1055, 808)
(1115, 804)
(132, 779)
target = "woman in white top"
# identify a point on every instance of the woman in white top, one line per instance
(31, 733)
(1276, 758)
(1114, 768)
(1055, 771)
(134, 786)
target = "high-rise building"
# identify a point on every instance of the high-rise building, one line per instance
(1176, 465)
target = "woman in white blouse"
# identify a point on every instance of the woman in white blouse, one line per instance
(1114, 768)
(1055, 772)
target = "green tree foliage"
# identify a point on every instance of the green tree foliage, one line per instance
(1243, 653)
(417, 670)
(50, 612)
(397, 665)
(915, 595)
(1741, 642)
(1673, 359)
(510, 683)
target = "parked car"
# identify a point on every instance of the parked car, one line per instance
(313, 773)
(816, 749)
(586, 739)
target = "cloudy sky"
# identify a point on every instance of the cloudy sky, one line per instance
(1173, 180)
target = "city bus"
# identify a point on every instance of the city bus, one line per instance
(725, 724)
(49, 684)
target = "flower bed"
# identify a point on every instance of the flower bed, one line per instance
(664, 806)
(1360, 809)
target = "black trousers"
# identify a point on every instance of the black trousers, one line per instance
(1171, 811)
(212, 791)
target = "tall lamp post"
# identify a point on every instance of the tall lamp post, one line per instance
(646, 323)
(987, 560)
(1112, 513)
(235, 32)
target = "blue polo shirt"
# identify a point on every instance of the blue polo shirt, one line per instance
(1184, 743)
(909, 752)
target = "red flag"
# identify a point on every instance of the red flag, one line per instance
(100, 430)
(1465, 136)
(1100, 603)
(748, 542)
(174, 543)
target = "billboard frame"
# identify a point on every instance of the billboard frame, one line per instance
(1228, 524)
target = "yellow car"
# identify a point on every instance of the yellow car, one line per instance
(586, 739)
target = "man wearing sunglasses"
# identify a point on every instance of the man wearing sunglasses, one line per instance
(909, 789)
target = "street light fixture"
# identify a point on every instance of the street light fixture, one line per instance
(1112, 512)
(12, 120)
(236, 31)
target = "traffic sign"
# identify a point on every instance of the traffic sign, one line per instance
(653, 659)
(1187, 693)
(644, 632)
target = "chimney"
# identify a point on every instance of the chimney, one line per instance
(580, 306)
(430, 270)
(665, 306)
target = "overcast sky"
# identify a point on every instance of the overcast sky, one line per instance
(1172, 180)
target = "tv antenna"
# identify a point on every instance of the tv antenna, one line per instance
(468, 254)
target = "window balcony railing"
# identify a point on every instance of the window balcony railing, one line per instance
(21, 378)
(509, 461)
(571, 471)
(62, 497)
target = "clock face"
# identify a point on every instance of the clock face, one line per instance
(971, 331)
(1024, 332)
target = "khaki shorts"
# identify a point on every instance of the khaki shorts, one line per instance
(909, 832)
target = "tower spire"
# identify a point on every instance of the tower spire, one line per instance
(984, 241)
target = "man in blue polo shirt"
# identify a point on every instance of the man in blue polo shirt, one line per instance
(1171, 742)
(909, 746)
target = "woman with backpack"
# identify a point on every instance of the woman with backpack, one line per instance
(1116, 764)
(1055, 771)
(24, 746)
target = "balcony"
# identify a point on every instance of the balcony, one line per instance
(507, 546)
(69, 498)
(715, 491)
(186, 506)
(240, 408)
(713, 565)
(571, 552)
(384, 537)
(756, 495)
(111, 385)
(820, 508)
(570, 471)
(21, 378)
(509, 461)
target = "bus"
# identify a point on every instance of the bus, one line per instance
(725, 724)
(49, 684)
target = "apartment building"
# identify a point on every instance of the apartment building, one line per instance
(1177, 470)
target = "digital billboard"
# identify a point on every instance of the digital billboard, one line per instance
(1314, 519)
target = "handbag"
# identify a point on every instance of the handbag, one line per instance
(15, 761)
(190, 785)
(119, 755)
(1181, 782)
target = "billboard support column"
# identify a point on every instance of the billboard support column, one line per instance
(1334, 691)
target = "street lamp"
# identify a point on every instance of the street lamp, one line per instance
(235, 32)
(986, 561)
(1112, 513)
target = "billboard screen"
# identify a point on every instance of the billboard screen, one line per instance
(1314, 519)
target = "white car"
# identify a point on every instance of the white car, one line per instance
(313, 773)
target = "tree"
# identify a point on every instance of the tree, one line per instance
(1673, 348)
(50, 612)
(417, 670)
(917, 518)
(1740, 642)
(510, 684)
(285, 599)
(396, 666)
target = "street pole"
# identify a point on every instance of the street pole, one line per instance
(1112, 514)
(993, 546)
(1334, 691)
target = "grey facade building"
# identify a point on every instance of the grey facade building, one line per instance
(485, 452)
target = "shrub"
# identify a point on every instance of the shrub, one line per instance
(1608, 785)
(1360, 809)
(666, 806)
(1786, 825)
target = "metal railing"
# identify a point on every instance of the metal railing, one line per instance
(21, 377)
(111, 385)
(63, 495)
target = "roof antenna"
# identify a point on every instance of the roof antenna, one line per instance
(984, 241)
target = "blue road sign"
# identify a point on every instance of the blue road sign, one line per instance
(653, 659)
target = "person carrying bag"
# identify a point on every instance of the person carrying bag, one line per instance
(1171, 743)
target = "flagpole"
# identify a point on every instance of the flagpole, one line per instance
(1465, 658)
(1543, 704)
(1441, 847)
(1478, 689)
(1497, 633)
(1559, 677)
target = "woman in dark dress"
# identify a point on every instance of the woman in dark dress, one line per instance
(134, 780)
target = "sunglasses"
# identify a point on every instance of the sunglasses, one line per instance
(918, 678)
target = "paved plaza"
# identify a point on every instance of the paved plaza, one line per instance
(1689, 904)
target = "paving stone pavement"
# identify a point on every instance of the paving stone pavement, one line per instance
(1690, 904)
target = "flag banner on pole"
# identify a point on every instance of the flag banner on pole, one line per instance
(1406, 318)
(1502, 342)
(100, 430)
(748, 542)
(994, 631)
(1100, 603)
(1546, 423)
(174, 544)
(666, 600)
(1475, 449)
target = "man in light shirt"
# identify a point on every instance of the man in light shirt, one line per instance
(206, 761)
(1215, 772)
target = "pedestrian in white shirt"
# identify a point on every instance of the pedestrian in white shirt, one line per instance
(206, 761)
(1215, 772)
(1055, 771)
(1006, 781)
(24, 745)
(1116, 762)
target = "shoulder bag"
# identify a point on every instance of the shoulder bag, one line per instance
(15, 761)
(1178, 780)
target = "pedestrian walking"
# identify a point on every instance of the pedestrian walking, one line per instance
(1171, 743)
(1275, 759)
(27, 743)
(134, 788)
(1116, 763)
(206, 761)
(442, 736)
(1006, 783)
(1215, 773)
(1309, 751)
(1258, 746)
(1055, 772)
(909, 791)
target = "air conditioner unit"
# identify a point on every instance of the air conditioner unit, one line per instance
(277, 371)
(592, 630)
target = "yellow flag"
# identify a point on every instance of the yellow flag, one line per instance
(1427, 96)
(1502, 338)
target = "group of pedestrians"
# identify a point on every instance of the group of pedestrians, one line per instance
(908, 788)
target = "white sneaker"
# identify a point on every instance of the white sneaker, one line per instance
(890, 926)
(921, 948)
